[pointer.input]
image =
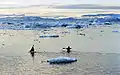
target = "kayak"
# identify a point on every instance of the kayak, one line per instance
(61, 60)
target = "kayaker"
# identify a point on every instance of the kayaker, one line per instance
(68, 49)
(32, 51)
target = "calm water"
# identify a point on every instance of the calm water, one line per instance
(98, 53)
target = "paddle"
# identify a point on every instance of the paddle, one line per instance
(63, 48)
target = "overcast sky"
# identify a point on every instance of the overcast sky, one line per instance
(56, 2)
(59, 7)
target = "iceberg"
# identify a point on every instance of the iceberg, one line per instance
(61, 60)
(34, 22)
(49, 36)
(116, 31)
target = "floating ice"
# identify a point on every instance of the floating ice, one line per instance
(116, 31)
(61, 60)
(49, 36)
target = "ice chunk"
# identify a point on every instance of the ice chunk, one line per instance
(61, 60)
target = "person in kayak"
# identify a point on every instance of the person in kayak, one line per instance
(68, 49)
(32, 51)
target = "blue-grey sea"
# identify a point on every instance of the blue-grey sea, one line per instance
(97, 53)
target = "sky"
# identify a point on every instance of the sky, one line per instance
(58, 7)
(56, 2)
